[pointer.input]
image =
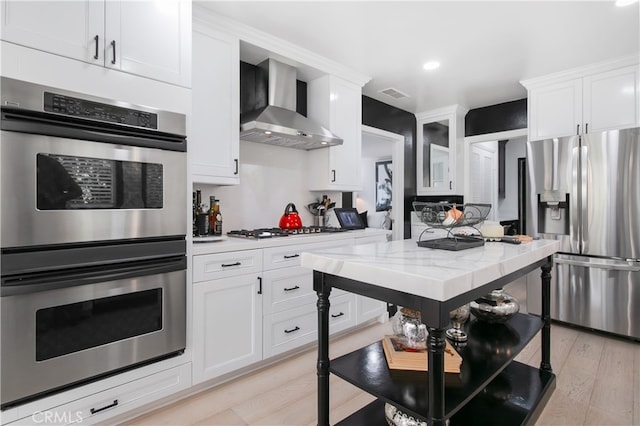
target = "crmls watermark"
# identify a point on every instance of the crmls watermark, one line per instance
(57, 417)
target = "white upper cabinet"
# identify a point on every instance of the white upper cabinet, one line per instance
(611, 100)
(439, 134)
(214, 142)
(337, 105)
(586, 101)
(147, 38)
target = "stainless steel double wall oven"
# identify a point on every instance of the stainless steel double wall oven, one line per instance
(93, 224)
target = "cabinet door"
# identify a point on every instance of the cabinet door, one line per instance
(346, 122)
(65, 28)
(337, 105)
(611, 100)
(227, 326)
(150, 38)
(214, 142)
(555, 110)
(368, 308)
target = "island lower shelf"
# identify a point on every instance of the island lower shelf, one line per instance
(487, 373)
(517, 394)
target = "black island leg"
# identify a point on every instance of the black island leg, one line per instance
(546, 315)
(435, 357)
(323, 304)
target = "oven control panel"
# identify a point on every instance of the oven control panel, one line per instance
(77, 107)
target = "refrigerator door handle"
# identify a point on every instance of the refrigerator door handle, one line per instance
(584, 193)
(632, 267)
(574, 226)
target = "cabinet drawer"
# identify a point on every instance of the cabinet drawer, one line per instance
(287, 330)
(342, 312)
(101, 406)
(285, 256)
(282, 257)
(229, 264)
(287, 288)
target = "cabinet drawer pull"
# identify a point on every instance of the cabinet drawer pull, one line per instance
(291, 288)
(260, 285)
(97, 39)
(586, 128)
(226, 265)
(333, 172)
(337, 315)
(113, 45)
(235, 160)
(97, 410)
(291, 256)
(296, 328)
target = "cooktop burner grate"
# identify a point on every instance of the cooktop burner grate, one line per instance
(277, 232)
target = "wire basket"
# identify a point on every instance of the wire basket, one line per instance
(448, 215)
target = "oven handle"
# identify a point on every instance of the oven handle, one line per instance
(54, 280)
(78, 128)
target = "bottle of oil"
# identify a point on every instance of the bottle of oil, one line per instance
(212, 215)
(217, 226)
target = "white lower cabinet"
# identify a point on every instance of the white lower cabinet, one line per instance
(342, 312)
(100, 406)
(368, 309)
(251, 305)
(227, 330)
(287, 330)
(227, 312)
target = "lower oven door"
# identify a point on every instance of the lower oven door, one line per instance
(56, 338)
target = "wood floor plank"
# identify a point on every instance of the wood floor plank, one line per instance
(636, 392)
(578, 375)
(613, 388)
(562, 411)
(590, 370)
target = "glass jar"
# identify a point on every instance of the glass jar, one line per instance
(408, 323)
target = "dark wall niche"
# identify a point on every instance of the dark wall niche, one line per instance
(254, 90)
(496, 118)
(386, 117)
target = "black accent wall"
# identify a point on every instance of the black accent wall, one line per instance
(386, 117)
(496, 118)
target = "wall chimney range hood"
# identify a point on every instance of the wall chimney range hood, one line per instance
(278, 123)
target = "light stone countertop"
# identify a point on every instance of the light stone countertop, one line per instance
(235, 244)
(433, 274)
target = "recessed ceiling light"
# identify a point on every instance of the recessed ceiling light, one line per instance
(621, 3)
(431, 65)
(267, 132)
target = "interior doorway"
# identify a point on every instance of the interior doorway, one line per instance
(502, 186)
(380, 146)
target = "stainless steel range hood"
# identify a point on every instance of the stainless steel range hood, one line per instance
(278, 123)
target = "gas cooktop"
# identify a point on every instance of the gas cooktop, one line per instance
(277, 232)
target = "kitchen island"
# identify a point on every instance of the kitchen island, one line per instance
(491, 388)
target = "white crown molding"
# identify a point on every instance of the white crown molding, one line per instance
(583, 71)
(295, 55)
(451, 109)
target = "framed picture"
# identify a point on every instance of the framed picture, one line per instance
(383, 185)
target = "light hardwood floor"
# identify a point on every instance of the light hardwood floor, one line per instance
(598, 383)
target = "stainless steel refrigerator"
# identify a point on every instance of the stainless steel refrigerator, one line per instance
(585, 192)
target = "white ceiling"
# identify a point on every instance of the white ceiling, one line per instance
(485, 47)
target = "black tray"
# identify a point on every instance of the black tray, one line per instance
(453, 244)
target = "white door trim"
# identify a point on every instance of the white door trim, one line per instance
(397, 186)
(487, 137)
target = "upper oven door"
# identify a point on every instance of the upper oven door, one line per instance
(58, 190)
